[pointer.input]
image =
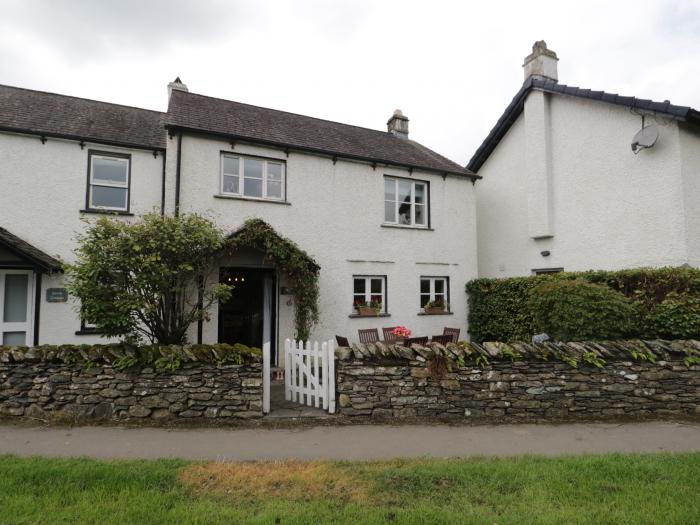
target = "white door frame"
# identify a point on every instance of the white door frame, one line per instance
(27, 326)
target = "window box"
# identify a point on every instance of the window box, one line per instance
(369, 295)
(433, 310)
(367, 311)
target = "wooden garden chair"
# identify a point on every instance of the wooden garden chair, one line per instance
(389, 336)
(454, 332)
(342, 341)
(369, 335)
(442, 339)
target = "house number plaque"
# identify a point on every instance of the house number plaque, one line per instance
(56, 295)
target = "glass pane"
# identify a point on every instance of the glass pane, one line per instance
(231, 165)
(252, 187)
(252, 168)
(404, 213)
(420, 193)
(376, 286)
(274, 171)
(420, 214)
(359, 286)
(389, 189)
(389, 211)
(14, 338)
(439, 286)
(109, 170)
(106, 197)
(424, 298)
(230, 184)
(404, 191)
(15, 304)
(425, 286)
(274, 189)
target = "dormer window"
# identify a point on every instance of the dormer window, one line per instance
(109, 177)
(252, 177)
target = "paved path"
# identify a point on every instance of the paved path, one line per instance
(350, 442)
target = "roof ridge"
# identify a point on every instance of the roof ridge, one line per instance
(82, 98)
(384, 133)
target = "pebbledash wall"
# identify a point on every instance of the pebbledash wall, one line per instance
(59, 392)
(381, 381)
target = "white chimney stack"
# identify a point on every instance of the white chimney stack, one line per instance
(398, 125)
(176, 85)
(542, 62)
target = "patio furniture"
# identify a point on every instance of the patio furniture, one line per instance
(417, 340)
(389, 336)
(369, 335)
(342, 341)
(454, 332)
(442, 339)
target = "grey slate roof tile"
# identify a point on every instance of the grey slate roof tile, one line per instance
(56, 115)
(256, 124)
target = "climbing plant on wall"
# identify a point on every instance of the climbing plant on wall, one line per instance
(287, 257)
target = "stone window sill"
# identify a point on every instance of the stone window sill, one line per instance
(252, 199)
(108, 212)
(405, 227)
(439, 313)
(87, 332)
(358, 316)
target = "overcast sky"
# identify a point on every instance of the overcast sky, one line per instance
(452, 67)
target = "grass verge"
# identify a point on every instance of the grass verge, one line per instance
(615, 489)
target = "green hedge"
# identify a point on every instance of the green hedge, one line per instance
(124, 356)
(667, 303)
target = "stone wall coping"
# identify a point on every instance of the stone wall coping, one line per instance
(641, 350)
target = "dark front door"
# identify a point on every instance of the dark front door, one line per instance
(248, 317)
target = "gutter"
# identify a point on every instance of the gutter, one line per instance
(317, 151)
(77, 138)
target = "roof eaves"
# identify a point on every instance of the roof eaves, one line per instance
(463, 172)
(26, 251)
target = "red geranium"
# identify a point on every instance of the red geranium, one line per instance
(401, 331)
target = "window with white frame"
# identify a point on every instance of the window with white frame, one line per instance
(434, 293)
(369, 291)
(108, 181)
(405, 202)
(253, 177)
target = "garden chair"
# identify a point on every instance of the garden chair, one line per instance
(370, 335)
(416, 340)
(454, 332)
(442, 339)
(389, 336)
(342, 341)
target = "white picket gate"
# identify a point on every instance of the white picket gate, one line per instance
(309, 373)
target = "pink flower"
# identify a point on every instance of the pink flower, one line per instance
(401, 331)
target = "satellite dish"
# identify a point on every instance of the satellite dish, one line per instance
(645, 138)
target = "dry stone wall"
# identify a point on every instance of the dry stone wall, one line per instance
(57, 391)
(520, 382)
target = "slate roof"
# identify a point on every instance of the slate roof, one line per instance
(53, 115)
(26, 251)
(245, 122)
(510, 115)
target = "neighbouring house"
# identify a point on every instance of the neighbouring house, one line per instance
(384, 218)
(565, 188)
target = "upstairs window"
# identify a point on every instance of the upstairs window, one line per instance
(108, 181)
(405, 202)
(252, 177)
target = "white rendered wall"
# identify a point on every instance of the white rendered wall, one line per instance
(335, 214)
(42, 190)
(690, 166)
(610, 209)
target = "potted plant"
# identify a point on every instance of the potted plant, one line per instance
(437, 306)
(402, 333)
(372, 308)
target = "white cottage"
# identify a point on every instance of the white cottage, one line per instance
(565, 188)
(385, 218)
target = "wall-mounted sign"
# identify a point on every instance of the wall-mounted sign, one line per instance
(56, 295)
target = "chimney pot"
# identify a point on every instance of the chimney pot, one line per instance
(541, 63)
(398, 124)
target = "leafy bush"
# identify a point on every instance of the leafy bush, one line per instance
(499, 309)
(577, 310)
(676, 317)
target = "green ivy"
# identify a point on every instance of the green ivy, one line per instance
(666, 301)
(288, 258)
